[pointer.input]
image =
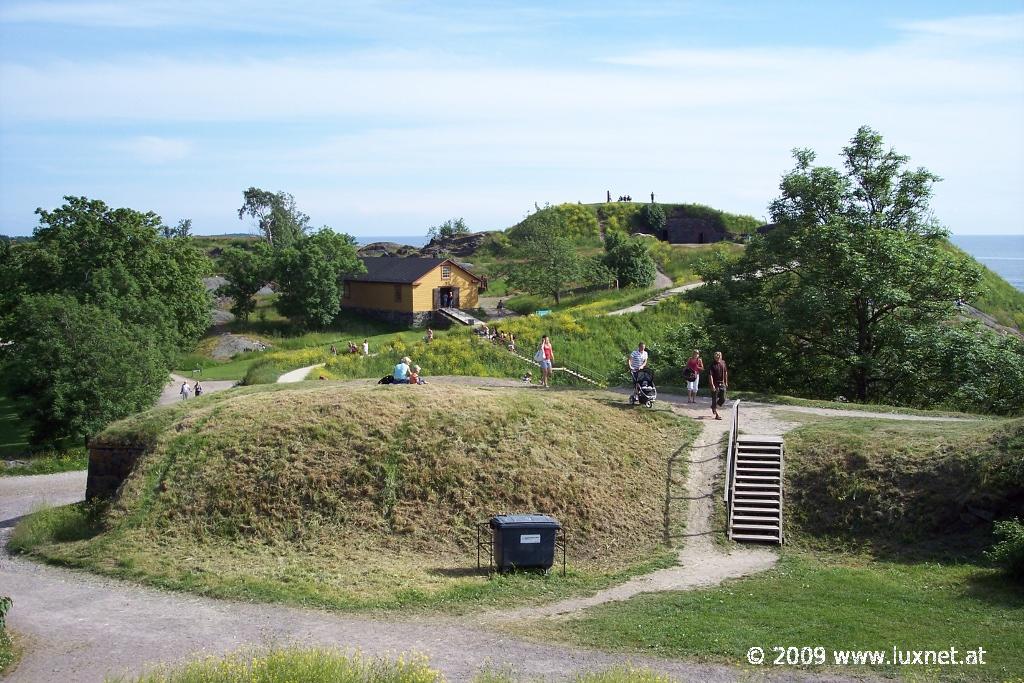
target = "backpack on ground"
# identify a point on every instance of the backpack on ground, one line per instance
(386, 379)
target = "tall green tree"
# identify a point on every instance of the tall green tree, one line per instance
(118, 260)
(310, 274)
(653, 216)
(276, 214)
(546, 261)
(75, 367)
(246, 272)
(629, 260)
(824, 302)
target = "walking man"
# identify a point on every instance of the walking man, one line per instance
(636, 362)
(718, 376)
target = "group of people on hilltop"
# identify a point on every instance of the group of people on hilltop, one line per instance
(407, 373)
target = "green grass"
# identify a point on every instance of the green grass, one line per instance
(47, 462)
(316, 665)
(13, 431)
(996, 296)
(781, 399)
(587, 303)
(365, 497)
(8, 653)
(292, 665)
(679, 261)
(832, 602)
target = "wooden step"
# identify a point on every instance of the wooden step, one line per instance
(773, 525)
(756, 477)
(753, 509)
(756, 537)
(773, 518)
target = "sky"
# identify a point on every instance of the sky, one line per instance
(384, 118)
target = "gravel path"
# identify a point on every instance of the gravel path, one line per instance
(297, 375)
(657, 299)
(81, 627)
(171, 392)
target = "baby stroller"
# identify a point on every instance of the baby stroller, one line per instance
(644, 391)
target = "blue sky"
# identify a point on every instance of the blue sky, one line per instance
(386, 118)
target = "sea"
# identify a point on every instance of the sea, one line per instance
(1003, 254)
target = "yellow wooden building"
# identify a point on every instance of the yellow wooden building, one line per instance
(409, 290)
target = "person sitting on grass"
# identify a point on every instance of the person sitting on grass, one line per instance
(402, 371)
(527, 378)
(352, 348)
(414, 376)
(430, 336)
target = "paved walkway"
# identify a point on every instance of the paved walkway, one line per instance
(297, 375)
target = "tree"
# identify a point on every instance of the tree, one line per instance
(546, 261)
(246, 273)
(76, 367)
(182, 230)
(629, 260)
(277, 216)
(453, 227)
(310, 275)
(653, 217)
(115, 259)
(824, 302)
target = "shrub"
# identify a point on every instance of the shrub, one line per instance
(6, 646)
(1008, 552)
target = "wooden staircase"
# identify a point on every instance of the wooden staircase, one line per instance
(754, 492)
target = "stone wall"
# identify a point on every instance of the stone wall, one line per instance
(108, 467)
(405, 318)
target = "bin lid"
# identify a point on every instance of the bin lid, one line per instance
(518, 521)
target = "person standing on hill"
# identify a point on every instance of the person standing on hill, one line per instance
(366, 347)
(546, 357)
(694, 367)
(184, 391)
(718, 377)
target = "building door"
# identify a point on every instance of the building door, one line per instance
(455, 295)
(437, 297)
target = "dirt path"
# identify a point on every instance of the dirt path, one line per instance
(172, 390)
(81, 627)
(297, 375)
(657, 299)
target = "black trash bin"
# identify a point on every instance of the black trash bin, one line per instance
(524, 541)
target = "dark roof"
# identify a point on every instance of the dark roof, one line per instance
(400, 270)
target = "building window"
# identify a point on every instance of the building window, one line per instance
(346, 290)
(446, 272)
(398, 293)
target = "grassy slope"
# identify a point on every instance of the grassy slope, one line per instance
(917, 599)
(356, 497)
(996, 296)
(679, 261)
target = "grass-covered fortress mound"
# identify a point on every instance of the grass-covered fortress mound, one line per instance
(360, 494)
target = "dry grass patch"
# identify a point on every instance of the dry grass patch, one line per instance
(354, 496)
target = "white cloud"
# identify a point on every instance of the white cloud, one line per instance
(985, 28)
(150, 149)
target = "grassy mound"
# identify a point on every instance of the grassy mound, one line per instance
(362, 495)
(904, 487)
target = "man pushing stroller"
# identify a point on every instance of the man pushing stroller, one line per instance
(643, 384)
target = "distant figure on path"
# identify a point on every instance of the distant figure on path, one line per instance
(184, 391)
(198, 390)
(718, 377)
(501, 304)
(366, 347)
(546, 357)
(694, 367)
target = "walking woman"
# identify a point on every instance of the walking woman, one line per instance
(694, 367)
(546, 357)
